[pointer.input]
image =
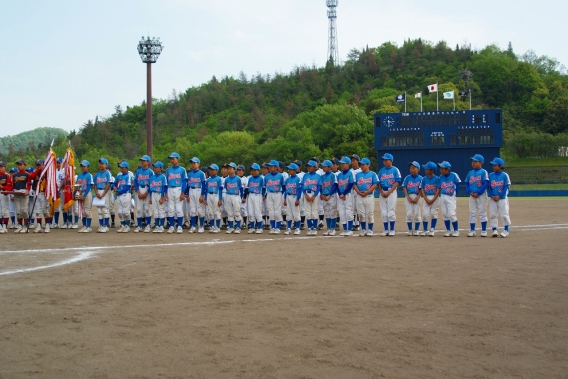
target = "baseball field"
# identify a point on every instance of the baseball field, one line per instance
(235, 306)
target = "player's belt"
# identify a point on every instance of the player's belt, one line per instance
(309, 192)
(386, 188)
(195, 187)
(141, 186)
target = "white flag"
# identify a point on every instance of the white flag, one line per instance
(449, 95)
(418, 95)
(433, 87)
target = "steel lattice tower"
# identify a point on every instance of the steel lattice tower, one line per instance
(332, 52)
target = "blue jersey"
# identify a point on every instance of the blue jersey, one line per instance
(294, 186)
(102, 179)
(233, 185)
(176, 177)
(85, 180)
(430, 185)
(142, 178)
(345, 182)
(499, 183)
(158, 183)
(274, 182)
(412, 184)
(389, 176)
(450, 184)
(365, 180)
(255, 184)
(477, 181)
(122, 183)
(214, 185)
(311, 183)
(328, 184)
(195, 179)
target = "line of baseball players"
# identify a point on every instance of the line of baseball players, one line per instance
(335, 190)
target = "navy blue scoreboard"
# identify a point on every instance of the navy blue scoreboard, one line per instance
(453, 136)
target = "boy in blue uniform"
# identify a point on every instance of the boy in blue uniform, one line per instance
(412, 203)
(123, 186)
(449, 188)
(176, 179)
(499, 183)
(158, 188)
(142, 199)
(233, 185)
(365, 185)
(85, 182)
(274, 184)
(345, 180)
(311, 187)
(196, 191)
(389, 180)
(476, 183)
(256, 191)
(102, 181)
(430, 192)
(213, 198)
(292, 197)
(328, 197)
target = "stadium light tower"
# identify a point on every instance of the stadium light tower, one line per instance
(332, 53)
(149, 50)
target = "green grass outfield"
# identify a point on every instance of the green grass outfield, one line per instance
(537, 162)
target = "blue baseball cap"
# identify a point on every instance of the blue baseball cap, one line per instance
(326, 163)
(174, 155)
(123, 164)
(445, 164)
(345, 160)
(255, 166)
(312, 163)
(103, 160)
(30, 169)
(365, 161)
(232, 165)
(85, 163)
(478, 158)
(387, 156)
(13, 169)
(59, 160)
(144, 158)
(195, 160)
(273, 163)
(498, 161)
(214, 167)
(158, 164)
(415, 164)
(293, 166)
(430, 166)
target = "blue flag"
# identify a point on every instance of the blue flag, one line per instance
(400, 98)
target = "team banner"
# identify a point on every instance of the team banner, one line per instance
(449, 95)
(68, 165)
(400, 98)
(47, 181)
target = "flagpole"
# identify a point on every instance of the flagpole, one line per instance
(420, 102)
(454, 97)
(437, 91)
(469, 98)
(404, 101)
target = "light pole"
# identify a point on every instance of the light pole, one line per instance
(149, 50)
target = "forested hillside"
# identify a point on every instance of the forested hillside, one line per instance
(327, 111)
(29, 141)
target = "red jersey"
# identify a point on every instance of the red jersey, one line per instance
(6, 183)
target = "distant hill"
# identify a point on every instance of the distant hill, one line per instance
(26, 140)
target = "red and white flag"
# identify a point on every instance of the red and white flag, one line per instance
(433, 87)
(418, 95)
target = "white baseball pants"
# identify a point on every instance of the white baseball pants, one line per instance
(430, 212)
(157, 208)
(86, 206)
(448, 207)
(195, 207)
(312, 208)
(413, 213)
(292, 211)
(365, 208)
(4, 206)
(330, 207)
(123, 203)
(478, 206)
(499, 208)
(388, 207)
(345, 208)
(254, 206)
(103, 211)
(41, 206)
(233, 207)
(21, 203)
(274, 205)
(143, 208)
(213, 206)
(175, 207)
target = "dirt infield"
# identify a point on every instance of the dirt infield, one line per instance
(200, 306)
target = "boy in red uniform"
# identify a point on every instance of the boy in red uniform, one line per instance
(6, 185)
(22, 186)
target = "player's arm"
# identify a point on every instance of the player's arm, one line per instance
(483, 187)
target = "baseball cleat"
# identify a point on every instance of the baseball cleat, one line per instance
(258, 231)
(391, 233)
(326, 233)
(179, 230)
(138, 229)
(332, 232)
(74, 226)
(448, 233)
(484, 233)
(362, 233)
(237, 231)
(423, 233)
(495, 233)
(38, 229)
(369, 233)
(229, 231)
(297, 232)
(349, 233)
(192, 230)
(504, 234)
(64, 226)
(121, 229)
(88, 230)
(287, 231)
(171, 230)
(250, 231)
(471, 233)
(126, 229)
(200, 230)
(455, 233)
(147, 229)
(410, 233)
(385, 233)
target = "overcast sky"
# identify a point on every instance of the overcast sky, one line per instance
(66, 61)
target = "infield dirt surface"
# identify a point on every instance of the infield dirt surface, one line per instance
(149, 306)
